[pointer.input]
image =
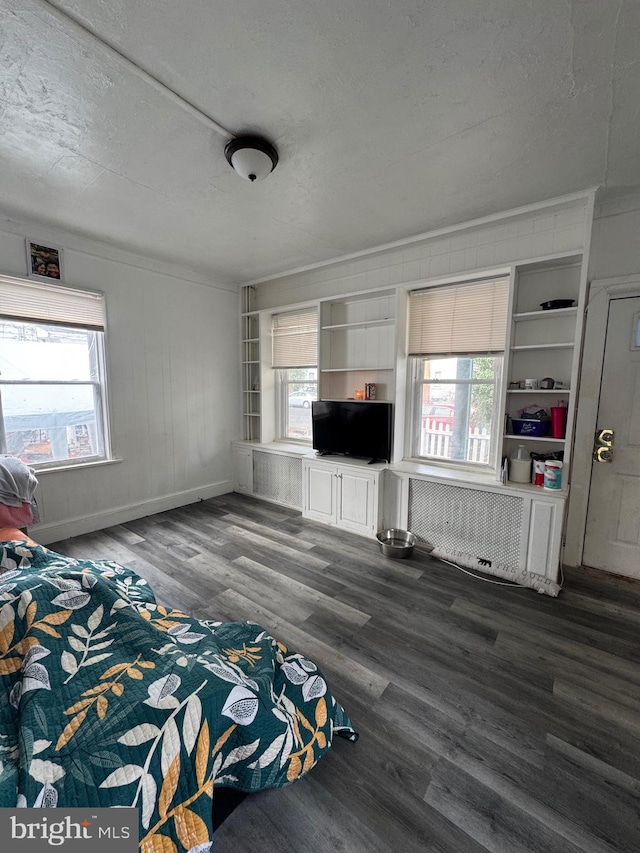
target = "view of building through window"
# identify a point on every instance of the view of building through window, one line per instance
(50, 392)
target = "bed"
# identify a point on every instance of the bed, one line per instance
(109, 699)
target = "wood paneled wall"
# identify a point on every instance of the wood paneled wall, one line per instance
(173, 369)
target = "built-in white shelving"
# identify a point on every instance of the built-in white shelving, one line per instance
(250, 342)
(542, 345)
(357, 345)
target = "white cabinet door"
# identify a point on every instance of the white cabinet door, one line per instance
(357, 499)
(343, 495)
(320, 492)
(545, 532)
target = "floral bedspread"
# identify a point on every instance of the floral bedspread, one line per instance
(109, 699)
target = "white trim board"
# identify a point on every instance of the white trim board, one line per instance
(46, 533)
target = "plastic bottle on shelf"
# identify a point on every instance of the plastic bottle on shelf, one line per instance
(520, 466)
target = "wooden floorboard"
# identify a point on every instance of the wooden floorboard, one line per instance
(491, 718)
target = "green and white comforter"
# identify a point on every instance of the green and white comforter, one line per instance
(109, 699)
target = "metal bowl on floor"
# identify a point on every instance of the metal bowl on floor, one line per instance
(396, 543)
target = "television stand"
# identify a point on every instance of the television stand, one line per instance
(344, 492)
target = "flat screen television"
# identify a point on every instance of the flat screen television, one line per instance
(361, 429)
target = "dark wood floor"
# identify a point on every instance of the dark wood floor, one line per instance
(491, 718)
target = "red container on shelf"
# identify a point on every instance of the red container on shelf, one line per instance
(558, 421)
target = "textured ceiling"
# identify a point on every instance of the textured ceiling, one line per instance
(391, 119)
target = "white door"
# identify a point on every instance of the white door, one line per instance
(612, 540)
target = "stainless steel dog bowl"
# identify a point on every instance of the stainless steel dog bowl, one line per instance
(396, 543)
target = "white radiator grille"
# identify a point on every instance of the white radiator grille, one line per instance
(278, 478)
(483, 524)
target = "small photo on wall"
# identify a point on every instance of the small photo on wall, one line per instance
(44, 261)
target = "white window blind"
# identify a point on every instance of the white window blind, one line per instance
(295, 338)
(459, 319)
(50, 303)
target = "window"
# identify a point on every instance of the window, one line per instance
(52, 387)
(456, 343)
(295, 359)
(298, 388)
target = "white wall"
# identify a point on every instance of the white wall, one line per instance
(615, 246)
(515, 237)
(173, 379)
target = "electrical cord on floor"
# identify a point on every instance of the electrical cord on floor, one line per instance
(480, 578)
(471, 574)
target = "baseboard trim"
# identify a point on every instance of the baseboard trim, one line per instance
(47, 533)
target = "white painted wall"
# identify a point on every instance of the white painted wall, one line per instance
(615, 246)
(173, 368)
(532, 233)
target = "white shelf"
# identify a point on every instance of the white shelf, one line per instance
(352, 400)
(251, 414)
(529, 487)
(560, 391)
(535, 438)
(532, 347)
(360, 324)
(250, 391)
(352, 369)
(250, 340)
(544, 315)
(255, 361)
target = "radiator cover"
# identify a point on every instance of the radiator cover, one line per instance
(278, 478)
(484, 524)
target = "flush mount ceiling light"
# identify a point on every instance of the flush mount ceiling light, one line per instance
(252, 157)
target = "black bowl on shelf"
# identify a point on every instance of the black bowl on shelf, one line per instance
(557, 303)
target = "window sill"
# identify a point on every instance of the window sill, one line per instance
(480, 479)
(96, 463)
(444, 472)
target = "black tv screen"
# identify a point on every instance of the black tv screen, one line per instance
(352, 429)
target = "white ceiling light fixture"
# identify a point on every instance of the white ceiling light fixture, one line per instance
(252, 157)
